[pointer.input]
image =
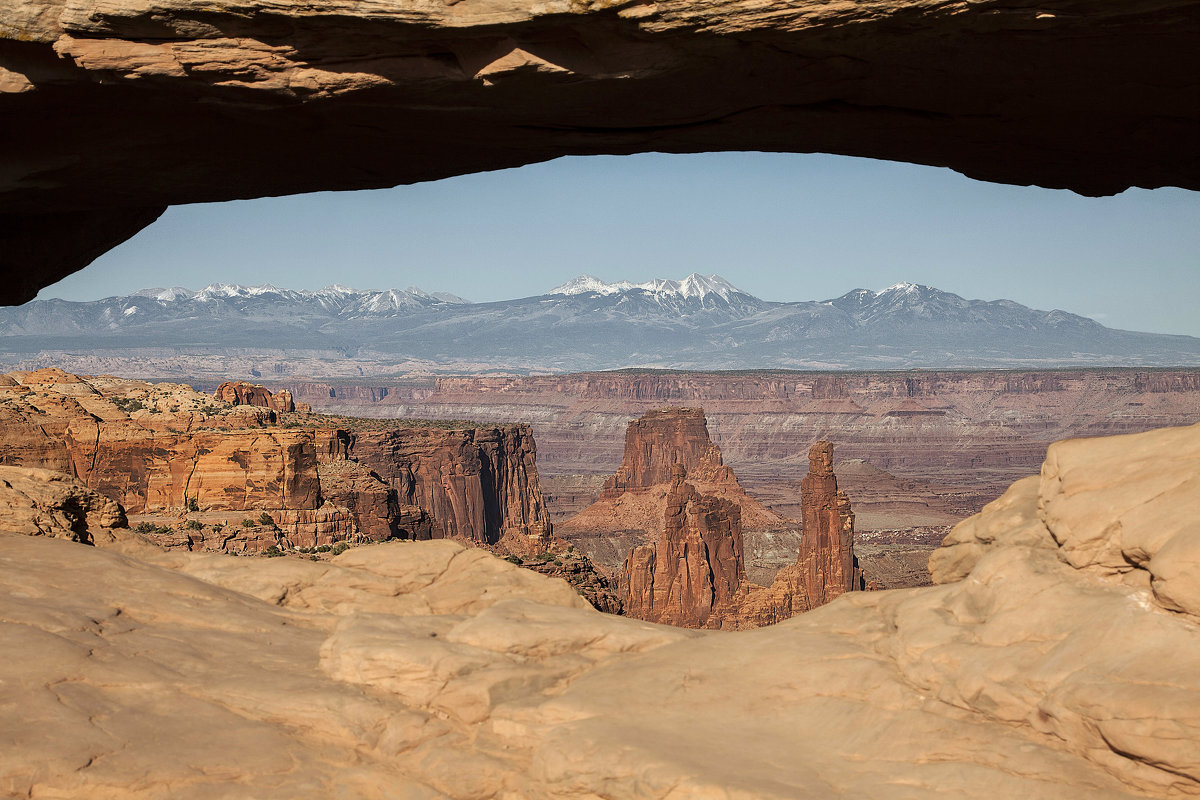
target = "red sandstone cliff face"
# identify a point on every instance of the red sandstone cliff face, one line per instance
(827, 547)
(161, 448)
(241, 393)
(477, 484)
(695, 575)
(696, 571)
(660, 441)
(826, 567)
(993, 426)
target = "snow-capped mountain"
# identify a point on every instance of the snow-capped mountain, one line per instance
(694, 285)
(699, 322)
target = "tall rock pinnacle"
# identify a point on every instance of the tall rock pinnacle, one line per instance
(826, 561)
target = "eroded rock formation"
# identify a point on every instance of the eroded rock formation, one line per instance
(1054, 659)
(826, 557)
(42, 502)
(826, 567)
(696, 570)
(124, 108)
(661, 440)
(635, 499)
(241, 393)
(163, 449)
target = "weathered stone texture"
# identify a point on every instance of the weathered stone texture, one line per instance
(122, 108)
(696, 570)
(1050, 671)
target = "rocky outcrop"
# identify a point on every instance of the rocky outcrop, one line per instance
(661, 440)
(479, 485)
(171, 103)
(826, 558)
(241, 393)
(41, 502)
(695, 576)
(826, 567)
(162, 449)
(696, 570)
(1054, 659)
(635, 500)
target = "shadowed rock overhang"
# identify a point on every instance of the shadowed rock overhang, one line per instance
(117, 109)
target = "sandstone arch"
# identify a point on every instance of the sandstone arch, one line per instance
(119, 108)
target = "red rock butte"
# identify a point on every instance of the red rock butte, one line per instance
(241, 393)
(662, 440)
(120, 109)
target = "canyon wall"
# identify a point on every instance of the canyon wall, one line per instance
(479, 484)
(162, 449)
(696, 570)
(994, 424)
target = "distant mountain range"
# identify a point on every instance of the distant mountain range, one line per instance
(587, 324)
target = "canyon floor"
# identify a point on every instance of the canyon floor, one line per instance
(1054, 657)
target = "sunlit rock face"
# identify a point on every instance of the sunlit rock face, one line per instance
(122, 108)
(1056, 658)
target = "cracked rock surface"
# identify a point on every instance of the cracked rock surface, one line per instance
(1056, 657)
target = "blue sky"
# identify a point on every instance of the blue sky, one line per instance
(780, 226)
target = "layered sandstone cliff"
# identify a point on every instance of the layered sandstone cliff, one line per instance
(162, 449)
(634, 498)
(1054, 659)
(661, 440)
(696, 570)
(241, 393)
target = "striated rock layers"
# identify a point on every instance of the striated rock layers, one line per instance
(631, 509)
(478, 484)
(1055, 658)
(241, 393)
(695, 576)
(164, 449)
(661, 440)
(124, 108)
(697, 569)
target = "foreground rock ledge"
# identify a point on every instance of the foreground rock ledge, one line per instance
(121, 108)
(1060, 661)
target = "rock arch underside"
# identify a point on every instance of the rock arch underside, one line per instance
(116, 109)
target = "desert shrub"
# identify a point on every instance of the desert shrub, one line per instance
(514, 560)
(544, 557)
(557, 563)
(313, 558)
(195, 525)
(218, 527)
(339, 548)
(248, 523)
(145, 527)
(265, 519)
(324, 548)
(192, 503)
(273, 552)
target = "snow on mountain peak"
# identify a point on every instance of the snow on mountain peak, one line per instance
(694, 285)
(904, 287)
